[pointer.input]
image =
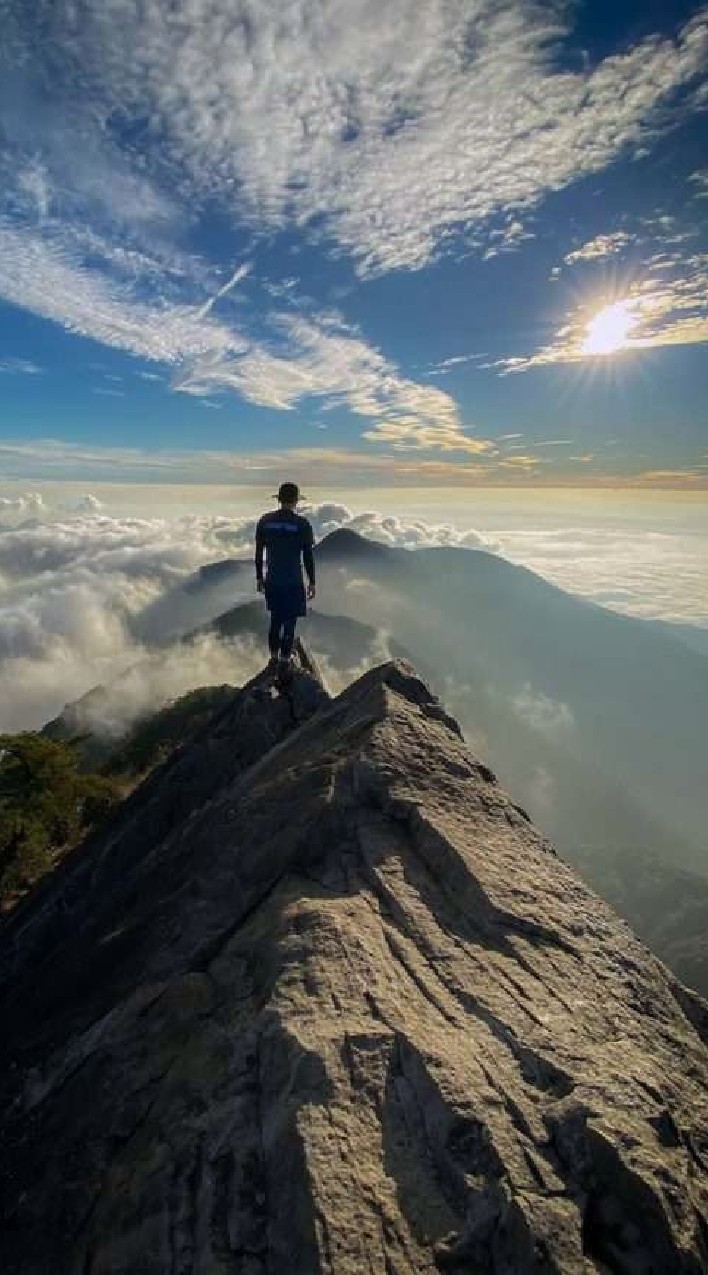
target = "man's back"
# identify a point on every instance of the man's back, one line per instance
(286, 537)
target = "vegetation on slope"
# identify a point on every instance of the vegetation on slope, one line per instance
(54, 790)
(46, 804)
(154, 738)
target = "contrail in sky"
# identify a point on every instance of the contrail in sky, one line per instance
(238, 274)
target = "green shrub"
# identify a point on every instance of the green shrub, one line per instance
(46, 804)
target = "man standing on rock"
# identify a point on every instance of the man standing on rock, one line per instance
(287, 539)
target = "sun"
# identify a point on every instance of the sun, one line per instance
(608, 331)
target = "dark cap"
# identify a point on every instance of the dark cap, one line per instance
(288, 493)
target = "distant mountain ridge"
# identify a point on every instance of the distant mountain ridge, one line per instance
(347, 544)
(634, 699)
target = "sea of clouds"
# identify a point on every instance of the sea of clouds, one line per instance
(70, 587)
(655, 574)
(74, 579)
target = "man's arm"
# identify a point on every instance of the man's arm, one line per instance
(308, 557)
(260, 546)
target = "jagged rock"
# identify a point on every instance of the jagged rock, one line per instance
(349, 1014)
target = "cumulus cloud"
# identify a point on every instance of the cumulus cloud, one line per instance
(389, 529)
(336, 678)
(542, 793)
(72, 590)
(599, 247)
(150, 552)
(30, 502)
(88, 504)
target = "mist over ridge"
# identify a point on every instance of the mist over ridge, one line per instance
(591, 718)
(547, 683)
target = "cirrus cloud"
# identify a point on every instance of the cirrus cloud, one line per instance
(398, 126)
(314, 357)
(386, 136)
(394, 128)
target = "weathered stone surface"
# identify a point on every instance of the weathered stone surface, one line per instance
(351, 1014)
(91, 884)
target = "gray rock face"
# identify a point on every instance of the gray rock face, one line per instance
(349, 1014)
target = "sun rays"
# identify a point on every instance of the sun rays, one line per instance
(609, 330)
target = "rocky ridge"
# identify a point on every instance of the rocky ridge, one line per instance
(322, 999)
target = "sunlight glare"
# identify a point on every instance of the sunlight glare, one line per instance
(608, 331)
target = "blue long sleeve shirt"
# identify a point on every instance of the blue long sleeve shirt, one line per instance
(287, 540)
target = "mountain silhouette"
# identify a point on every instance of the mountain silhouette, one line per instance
(197, 599)
(342, 640)
(345, 545)
(321, 998)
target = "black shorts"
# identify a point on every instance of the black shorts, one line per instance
(286, 601)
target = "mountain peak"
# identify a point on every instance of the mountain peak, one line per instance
(349, 544)
(348, 1012)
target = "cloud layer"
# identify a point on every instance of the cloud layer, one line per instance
(396, 125)
(622, 563)
(70, 589)
(30, 502)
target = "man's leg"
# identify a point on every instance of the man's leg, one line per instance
(274, 633)
(287, 641)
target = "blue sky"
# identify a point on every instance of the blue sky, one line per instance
(442, 242)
